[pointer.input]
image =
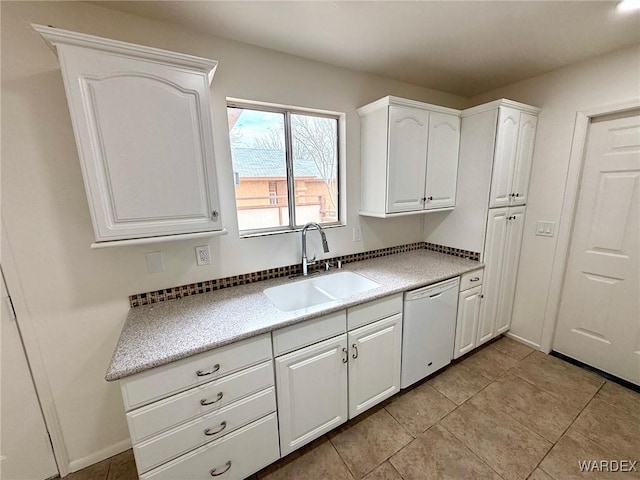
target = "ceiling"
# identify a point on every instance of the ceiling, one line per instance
(461, 47)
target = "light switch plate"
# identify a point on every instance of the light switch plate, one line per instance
(357, 234)
(545, 229)
(155, 262)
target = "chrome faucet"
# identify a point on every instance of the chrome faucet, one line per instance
(325, 246)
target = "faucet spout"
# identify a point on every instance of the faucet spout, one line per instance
(325, 246)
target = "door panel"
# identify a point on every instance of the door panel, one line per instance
(408, 136)
(504, 158)
(442, 160)
(25, 450)
(467, 321)
(524, 157)
(493, 258)
(600, 306)
(374, 363)
(515, 228)
(312, 392)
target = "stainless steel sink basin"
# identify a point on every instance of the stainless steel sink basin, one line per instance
(318, 290)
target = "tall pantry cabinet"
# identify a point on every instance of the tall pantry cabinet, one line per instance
(496, 149)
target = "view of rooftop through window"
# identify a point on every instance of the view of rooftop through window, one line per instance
(272, 173)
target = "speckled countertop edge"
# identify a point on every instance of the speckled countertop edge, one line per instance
(162, 333)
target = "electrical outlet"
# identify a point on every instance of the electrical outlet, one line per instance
(357, 234)
(203, 255)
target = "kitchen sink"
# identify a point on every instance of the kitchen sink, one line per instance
(318, 290)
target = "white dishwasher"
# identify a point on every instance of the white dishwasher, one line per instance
(428, 330)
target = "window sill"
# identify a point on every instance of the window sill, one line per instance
(294, 230)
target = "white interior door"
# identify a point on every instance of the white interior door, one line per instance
(25, 450)
(599, 317)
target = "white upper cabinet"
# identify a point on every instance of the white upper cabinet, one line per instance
(408, 135)
(143, 128)
(513, 154)
(409, 157)
(442, 160)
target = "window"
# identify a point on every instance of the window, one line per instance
(285, 165)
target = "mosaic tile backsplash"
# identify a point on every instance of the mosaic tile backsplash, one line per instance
(286, 271)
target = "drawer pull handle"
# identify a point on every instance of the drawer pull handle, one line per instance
(202, 373)
(218, 398)
(213, 472)
(474, 279)
(208, 431)
(355, 354)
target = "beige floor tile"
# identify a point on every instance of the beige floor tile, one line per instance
(610, 427)
(560, 378)
(419, 408)
(490, 363)
(539, 474)
(562, 462)
(506, 445)
(97, 471)
(542, 412)
(366, 444)
(438, 455)
(123, 467)
(621, 397)
(458, 383)
(384, 472)
(317, 462)
(512, 348)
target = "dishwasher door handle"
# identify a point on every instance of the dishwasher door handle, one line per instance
(435, 295)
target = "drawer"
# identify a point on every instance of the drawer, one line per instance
(291, 338)
(240, 453)
(188, 436)
(160, 416)
(161, 382)
(372, 311)
(471, 279)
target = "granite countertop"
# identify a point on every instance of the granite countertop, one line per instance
(161, 333)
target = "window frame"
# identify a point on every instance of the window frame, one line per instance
(288, 111)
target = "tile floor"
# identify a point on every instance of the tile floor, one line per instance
(503, 412)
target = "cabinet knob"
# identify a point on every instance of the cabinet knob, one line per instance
(215, 214)
(430, 198)
(482, 295)
(517, 194)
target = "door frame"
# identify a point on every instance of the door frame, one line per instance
(34, 356)
(567, 216)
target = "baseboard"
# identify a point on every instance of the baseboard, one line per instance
(523, 340)
(103, 454)
(597, 371)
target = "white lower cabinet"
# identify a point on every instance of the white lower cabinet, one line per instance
(312, 392)
(234, 457)
(468, 320)
(320, 386)
(225, 425)
(374, 363)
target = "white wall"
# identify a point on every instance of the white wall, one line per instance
(77, 298)
(602, 81)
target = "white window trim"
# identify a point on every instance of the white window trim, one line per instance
(233, 102)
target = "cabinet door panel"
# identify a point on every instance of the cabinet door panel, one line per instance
(504, 158)
(408, 136)
(144, 135)
(312, 392)
(493, 260)
(442, 160)
(524, 157)
(374, 363)
(515, 228)
(467, 321)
